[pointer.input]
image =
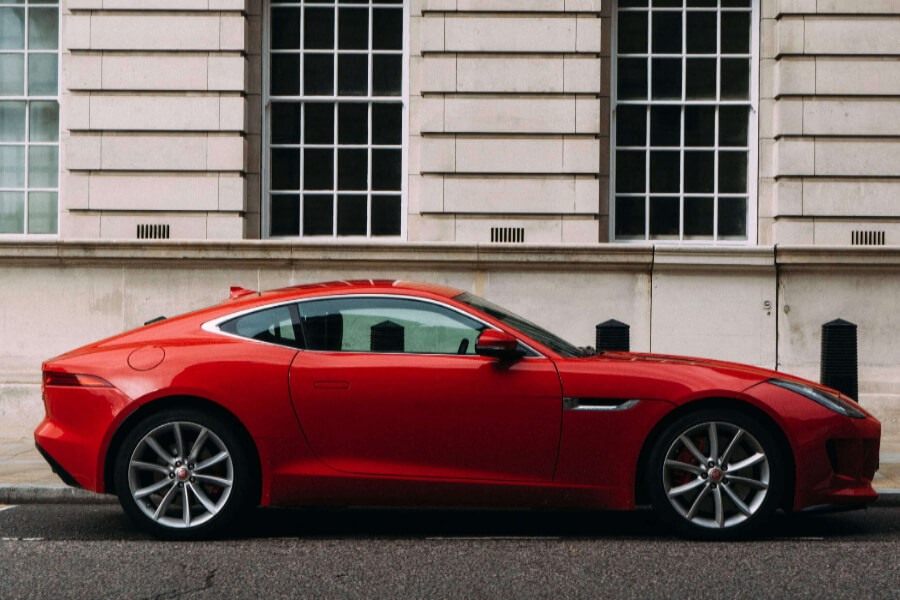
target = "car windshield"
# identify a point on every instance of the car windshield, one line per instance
(535, 332)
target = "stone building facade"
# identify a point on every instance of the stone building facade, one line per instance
(723, 175)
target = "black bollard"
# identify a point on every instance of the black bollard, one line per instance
(839, 362)
(613, 335)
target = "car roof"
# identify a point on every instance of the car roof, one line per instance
(361, 285)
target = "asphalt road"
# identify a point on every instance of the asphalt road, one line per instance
(92, 551)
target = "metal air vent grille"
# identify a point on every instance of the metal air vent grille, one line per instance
(507, 235)
(867, 238)
(146, 231)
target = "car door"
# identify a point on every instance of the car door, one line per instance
(392, 386)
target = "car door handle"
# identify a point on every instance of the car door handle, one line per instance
(332, 385)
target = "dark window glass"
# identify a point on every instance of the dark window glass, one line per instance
(736, 3)
(733, 218)
(699, 172)
(630, 171)
(733, 172)
(735, 33)
(632, 79)
(701, 32)
(700, 74)
(632, 3)
(664, 217)
(387, 29)
(318, 214)
(318, 169)
(285, 123)
(351, 215)
(699, 125)
(318, 28)
(665, 126)
(735, 79)
(667, 3)
(387, 74)
(733, 125)
(285, 28)
(285, 214)
(701, 3)
(630, 217)
(667, 32)
(318, 74)
(385, 215)
(666, 78)
(353, 28)
(285, 169)
(386, 170)
(285, 74)
(665, 171)
(632, 32)
(631, 125)
(353, 74)
(276, 325)
(352, 169)
(352, 123)
(387, 126)
(319, 123)
(698, 217)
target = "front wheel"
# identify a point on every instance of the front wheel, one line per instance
(183, 474)
(716, 474)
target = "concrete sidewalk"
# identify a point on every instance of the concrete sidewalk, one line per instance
(25, 477)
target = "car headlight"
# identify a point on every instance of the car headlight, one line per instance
(829, 401)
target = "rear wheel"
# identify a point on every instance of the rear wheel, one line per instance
(716, 474)
(183, 474)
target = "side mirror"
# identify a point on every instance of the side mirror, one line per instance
(497, 344)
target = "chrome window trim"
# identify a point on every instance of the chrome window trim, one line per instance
(213, 326)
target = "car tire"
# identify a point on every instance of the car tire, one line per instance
(184, 474)
(722, 489)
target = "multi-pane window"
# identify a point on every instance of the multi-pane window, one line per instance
(29, 116)
(335, 117)
(684, 120)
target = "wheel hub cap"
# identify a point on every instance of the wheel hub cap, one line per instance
(716, 475)
(182, 473)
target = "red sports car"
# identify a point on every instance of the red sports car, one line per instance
(392, 393)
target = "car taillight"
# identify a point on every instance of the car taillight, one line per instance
(73, 380)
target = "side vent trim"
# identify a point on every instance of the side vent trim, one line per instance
(507, 235)
(867, 238)
(147, 231)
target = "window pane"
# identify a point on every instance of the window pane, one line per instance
(285, 124)
(735, 33)
(664, 215)
(387, 29)
(353, 29)
(632, 79)
(701, 32)
(735, 79)
(318, 29)
(701, 3)
(665, 126)
(633, 32)
(352, 169)
(353, 75)
(665, 172)
(44, 125)
(667, 33)
(733, 218)
(386, 170)
(736, 3)
(699, 125)
(387, 74)
(318, 214)
(318, 169)
(12, 121)
(733, 172)
(630, 3)
(285, 74)
(667, 3)
(319, 123)
(387, 126)
(699, 171)
(318, 74)
(43, 166)
(43, 28)
(698, 217)
(12, 210)
(12, 28)
(285, 214)
(630, 216)
(631, 125)
(12, 166)
(733, 124)
(353, 123)
(42, 213)
(701, 79)
(42, 74)
(274, 325)
(285, 169)
(351, 215)
(630, 171)
(385, 215)
(285, 28)
(12, 74)
(666, 79)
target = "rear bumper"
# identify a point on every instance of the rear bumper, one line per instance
(58, 468)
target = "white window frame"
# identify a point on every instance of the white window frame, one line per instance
(752, 136)
(265, 169)
(28, 99)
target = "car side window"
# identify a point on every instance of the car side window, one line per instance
(276, 325)
(389, 325)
